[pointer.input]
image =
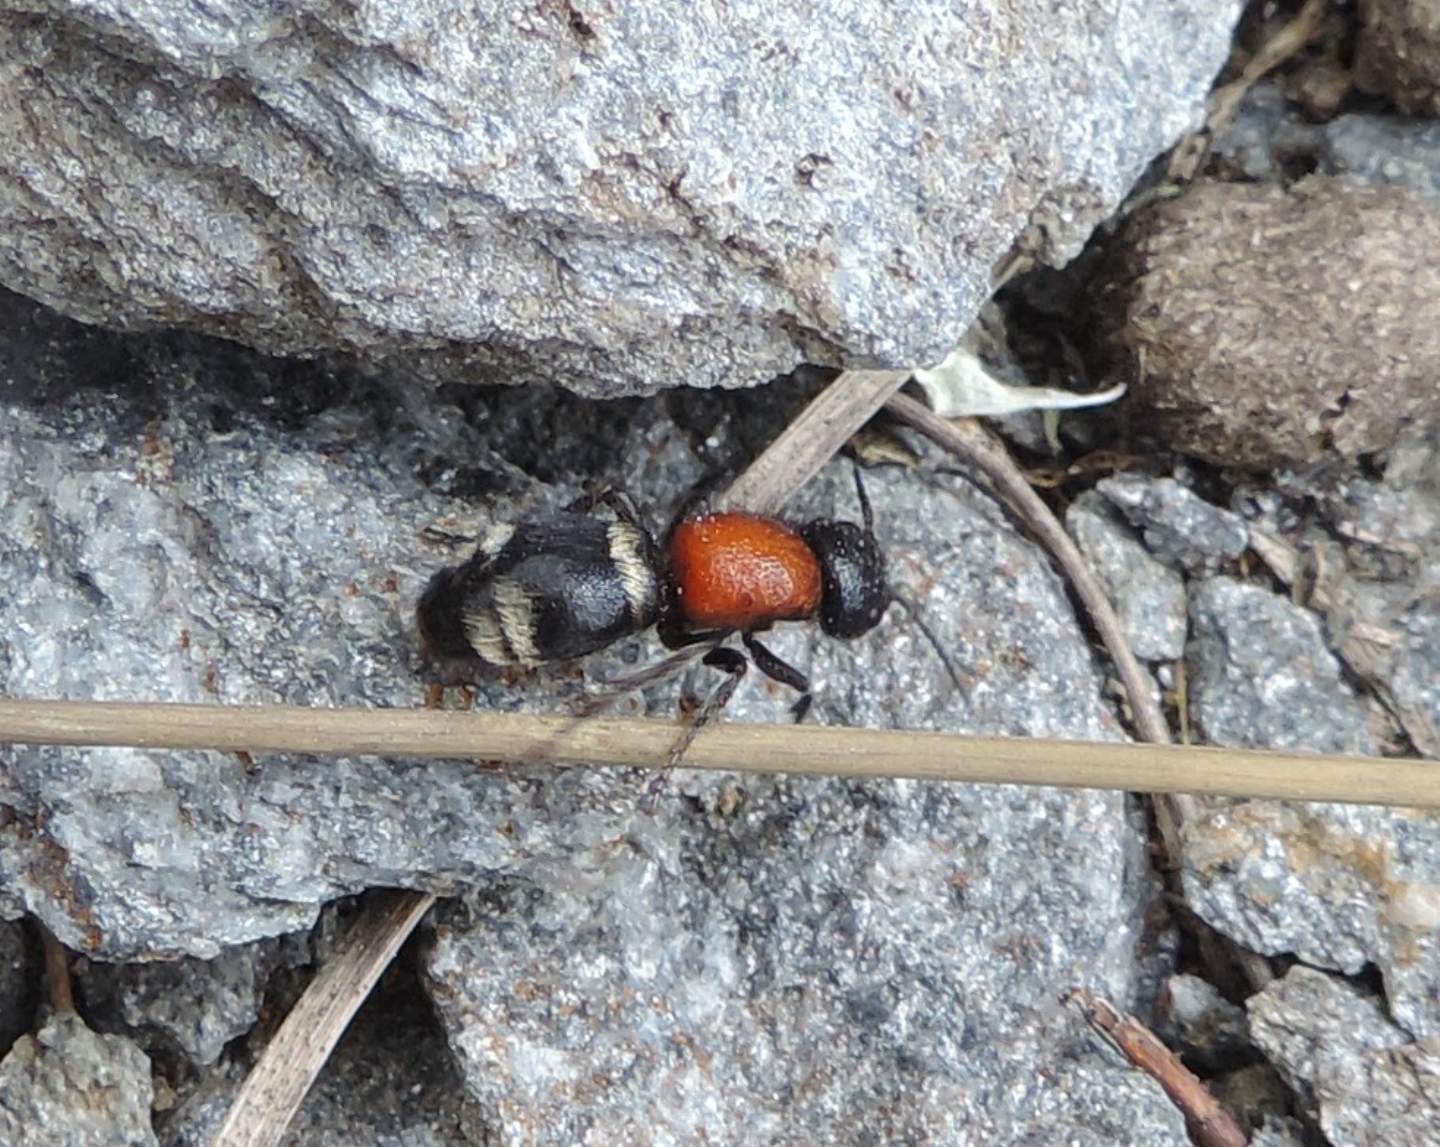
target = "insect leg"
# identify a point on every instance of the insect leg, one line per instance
(733, 663)
(781, 671)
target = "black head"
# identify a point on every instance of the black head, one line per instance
(854, 592)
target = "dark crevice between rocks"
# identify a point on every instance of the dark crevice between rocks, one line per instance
(23, 991)
(508, 437)
(1241, 1077)
(170, 1067)
(394, 1050)
(329, 407)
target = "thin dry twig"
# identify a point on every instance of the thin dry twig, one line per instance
(1280, 556)
(58, 983)
(1210, 1124)
(968, 440)
(1190, 154)
(1182, 700)
(272, 1092)
(971, 442)
(809, 750)
(812, 439)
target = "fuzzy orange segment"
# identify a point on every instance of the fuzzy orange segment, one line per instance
(740, 571)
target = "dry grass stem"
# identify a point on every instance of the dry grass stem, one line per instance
(968, 440)
(58, 984)
(802, 750)
(809, 442)
(972, 443)
(272, 1092)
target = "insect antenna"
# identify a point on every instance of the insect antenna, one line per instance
(865, 513)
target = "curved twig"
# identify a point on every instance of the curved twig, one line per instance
(968, 440)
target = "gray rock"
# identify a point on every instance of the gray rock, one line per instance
(1382, 599)
(1388, 634)
(1210, 1029)
(1359, 1075)
(1179, 527)
(1364, 553)
(1271, 136)
(278, 559)
(1389, 526)
(197, 1006)
(1265, 132)
(1414, 677)
(69, 1085)
(1262, 677)
(1338, 886)
(619, 198)
(1382, 149)
(1148, 596)
(216, 531)
(17, 1007)
(867, 963)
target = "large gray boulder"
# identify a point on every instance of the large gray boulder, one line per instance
(618, 197)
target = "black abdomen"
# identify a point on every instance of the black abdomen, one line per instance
(549, 589)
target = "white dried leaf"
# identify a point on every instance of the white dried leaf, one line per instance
(960, 387)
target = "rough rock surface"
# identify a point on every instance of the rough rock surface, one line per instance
(195, 1006)
(1147, 594)
(268, 530)
(1262, 677)
(68, 1085)
(618, 196)
(227, 528)
(1379, 588)
(870, 963)
(1381, 150)
(1398, 54)
(1271, 136)
(1339, 886)
(1179, 527)
(1360, 1076)
(1255, 320)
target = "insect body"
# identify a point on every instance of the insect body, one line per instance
(552, 588)
(557, 587)
(744, 572)
(741, 571)
(853, 593)
(732, 571)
